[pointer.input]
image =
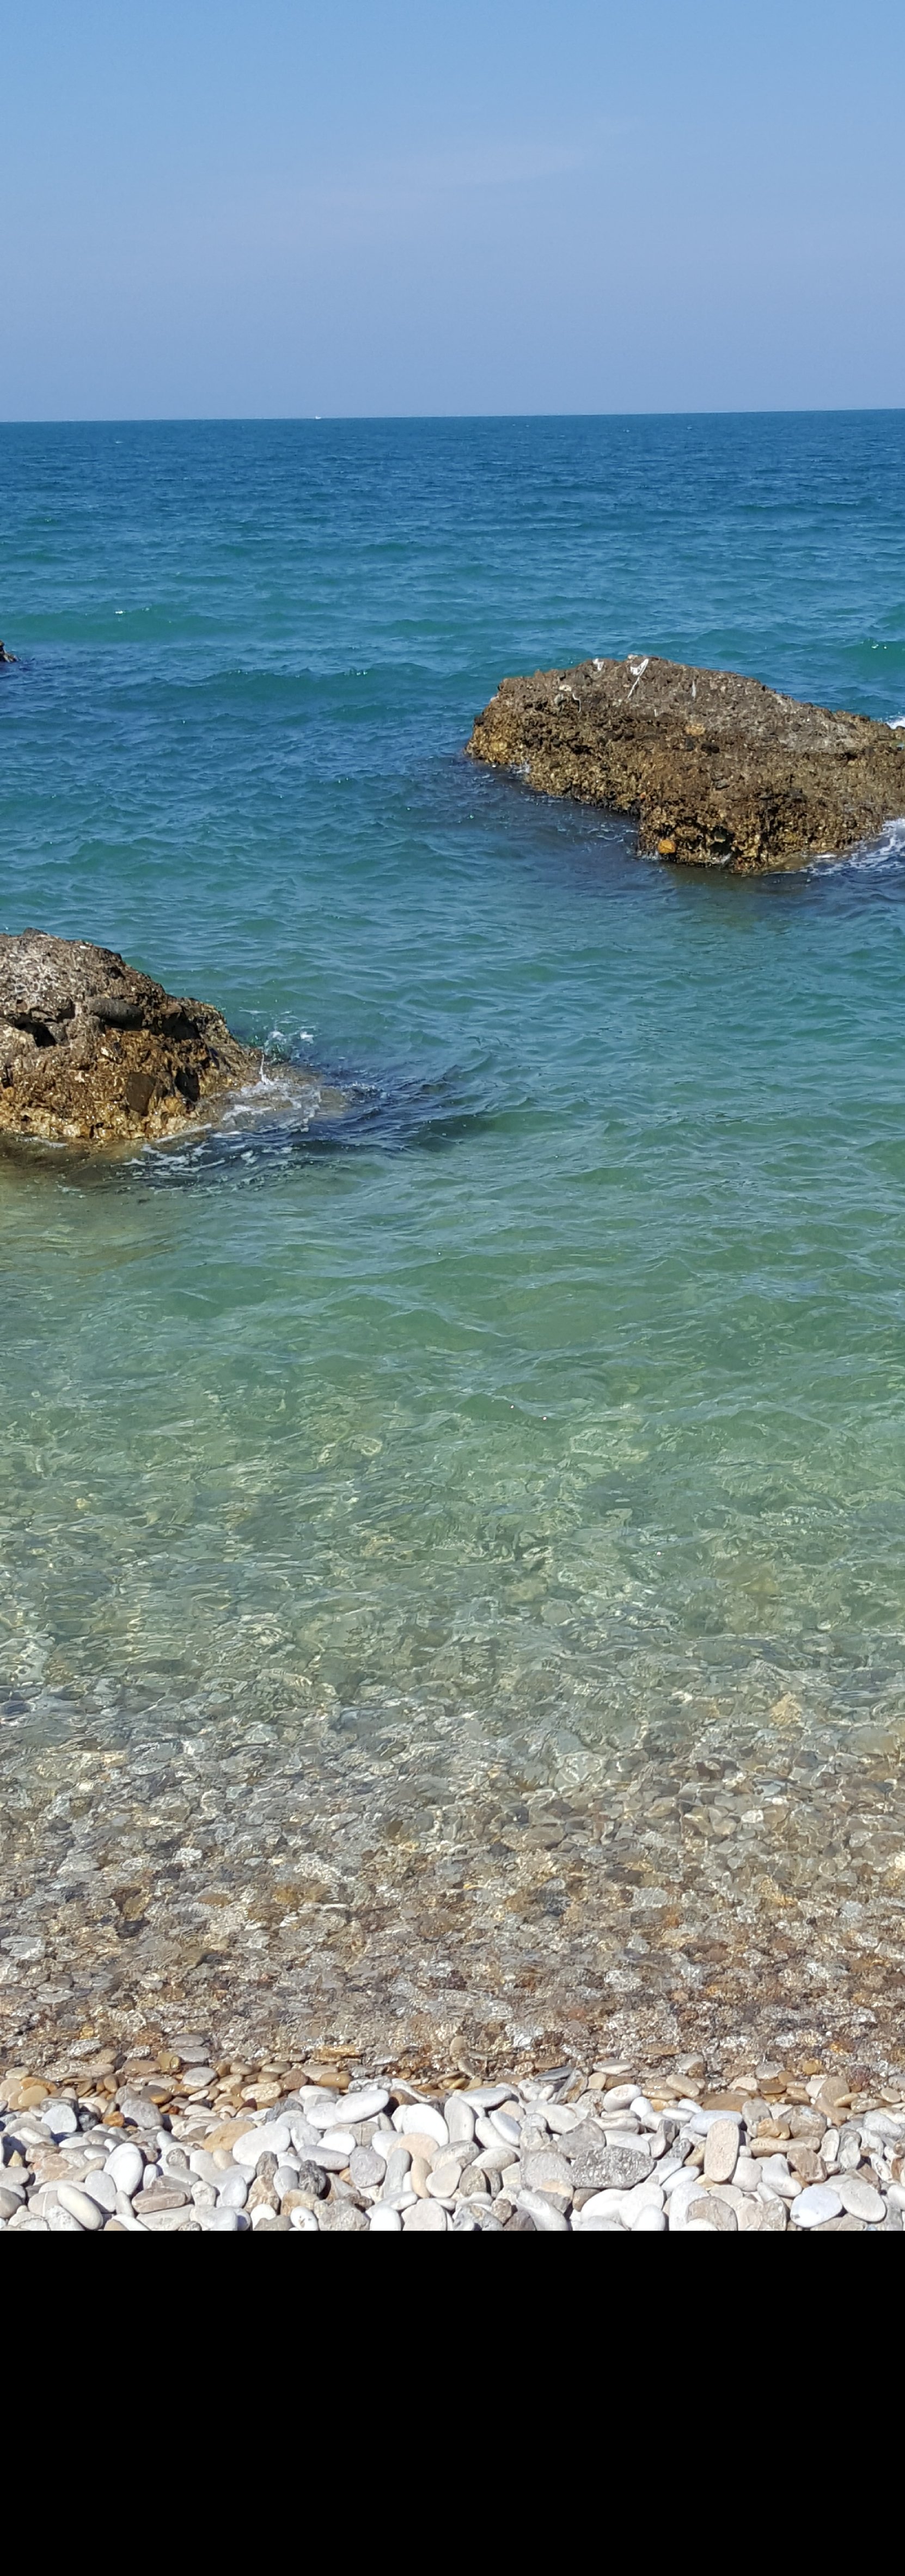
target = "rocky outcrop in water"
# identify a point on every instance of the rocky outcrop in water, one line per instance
(720, 771)
(92, 1050)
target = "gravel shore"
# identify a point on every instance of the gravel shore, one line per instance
(172, 2141)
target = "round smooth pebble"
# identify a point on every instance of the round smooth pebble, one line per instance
(272, 2139)
(679, 2201)
(546, 2219)
(102, 2188)
(364, 2105)
(721, 2151)
(422, 2120)
(385, 2222)
(322, 2114)
(339, 2142)
(859, 2197)
(366, 2167)
(487, 2097)
(125, 2167)
(649, 2222)
(707, 2211)
(78, 2206)
(605, 2205)
(459, 2118)
(444, 2178)
(60, 2119)
(234, 2190)
(397, 2172)
(426, 2219)
(506, 2127)
(815, 2204)
(423, 2149)
(221, 2222)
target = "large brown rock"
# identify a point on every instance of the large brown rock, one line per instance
(91, 1049)
(720, 771)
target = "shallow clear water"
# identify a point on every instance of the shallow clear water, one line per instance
(569, 1374)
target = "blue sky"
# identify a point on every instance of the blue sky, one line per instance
(380, 207)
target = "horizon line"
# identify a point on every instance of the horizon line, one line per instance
(306, 419)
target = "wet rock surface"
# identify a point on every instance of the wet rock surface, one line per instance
(92, 1051)
(720, 771)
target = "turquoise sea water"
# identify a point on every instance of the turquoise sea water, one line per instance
(570, 1375)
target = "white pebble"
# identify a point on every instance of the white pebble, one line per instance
(125, 2167)
(487, 2097)
(459, 2118)
(815, 2204)
(546, 2218)
(234, 2190)
(505, 2127)
(271, 2139)
(423, 2120)
(426, 2218)
(77, 2204)
(364, 2105)
(61, 2119)
(322, 2114)
(860, 2197)
(102, 2188)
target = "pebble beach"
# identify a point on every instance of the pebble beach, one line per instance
(169, 2143)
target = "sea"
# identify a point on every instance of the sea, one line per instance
(538, 1420)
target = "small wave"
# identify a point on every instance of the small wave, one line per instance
(886, 852)
(290, 1115)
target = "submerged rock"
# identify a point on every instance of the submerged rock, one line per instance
(92, 1050)
(720, 771)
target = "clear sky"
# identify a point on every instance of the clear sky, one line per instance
(381, 206)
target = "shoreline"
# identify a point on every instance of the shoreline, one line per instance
(167, 2141)
(317, 1883)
